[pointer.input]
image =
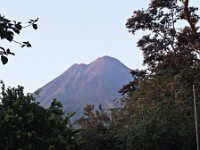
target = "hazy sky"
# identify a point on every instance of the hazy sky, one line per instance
(70, 31)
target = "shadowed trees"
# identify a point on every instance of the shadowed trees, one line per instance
(27, 125)
(158, 111)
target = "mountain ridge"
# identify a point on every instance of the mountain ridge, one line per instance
(95, 83)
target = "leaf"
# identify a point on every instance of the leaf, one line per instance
(16, 30)
(9, 52)
(18, 26)
(36, 20)
(2, 49)
(4, 60)
(9, 36)
(71, 114)
(35, 26)
(31, 21)
(27, 44)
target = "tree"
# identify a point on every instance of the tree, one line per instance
(95, 126)
(8, 30)
(138, 75)
(158, 110)
(168, 45)
(160, 113)
(27, 125)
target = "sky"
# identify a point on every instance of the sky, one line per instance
(69, 31)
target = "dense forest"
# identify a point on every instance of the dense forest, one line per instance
(157, 110)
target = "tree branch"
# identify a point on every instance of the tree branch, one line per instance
(18, 42)
(187, 17)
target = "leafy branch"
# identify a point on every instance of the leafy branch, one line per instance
(8, 29)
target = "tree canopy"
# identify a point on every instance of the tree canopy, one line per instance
(169, 43)
(158, 111)
(24, 124)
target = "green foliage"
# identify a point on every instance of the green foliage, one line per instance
(95, 126)
(26, 125)
(8, 30)
(160, 113)
(158, 108)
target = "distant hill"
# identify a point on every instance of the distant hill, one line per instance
(81, 84)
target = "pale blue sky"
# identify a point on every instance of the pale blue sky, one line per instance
(70, 31)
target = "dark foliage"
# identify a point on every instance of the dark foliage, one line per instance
(8, 30)
(158, 110)
(26, 125)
